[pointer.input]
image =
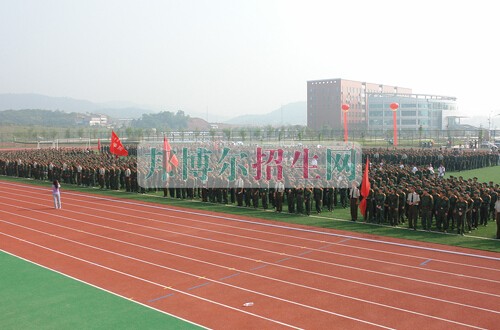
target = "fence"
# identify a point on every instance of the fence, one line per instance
(16, 137)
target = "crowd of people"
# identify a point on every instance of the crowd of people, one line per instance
(408, 186)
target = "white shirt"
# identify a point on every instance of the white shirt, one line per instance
(413, 198)
(497, 205)
(441, 170)
(55, 189)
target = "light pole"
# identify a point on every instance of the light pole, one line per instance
(394, 107)
(345, 110)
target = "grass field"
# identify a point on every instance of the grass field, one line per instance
(483, 175)
(35, 297)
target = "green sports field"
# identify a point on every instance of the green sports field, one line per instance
(33, 297)
(483, 175)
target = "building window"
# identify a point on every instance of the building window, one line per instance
(408, 105)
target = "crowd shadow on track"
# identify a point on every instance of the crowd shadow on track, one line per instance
(41, 208)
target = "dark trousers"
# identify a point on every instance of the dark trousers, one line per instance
(440, 219)
(426, 218)
(393, 216)
(279, 201)
(379, 214)
(460, 222)
(498, 225)
(354, 209)
(264, 201)
(239, 197)
(307, 202)
(484, 214)
(319, 204)
(412, 216)
(475, 217)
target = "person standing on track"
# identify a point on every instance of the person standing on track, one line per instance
(56, 194)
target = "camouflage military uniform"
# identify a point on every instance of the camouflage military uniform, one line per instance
(426, 206)
(393, 207)
(442, 208)
(379, 206)
(461, 209)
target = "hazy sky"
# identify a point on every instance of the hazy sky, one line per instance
(234, 57)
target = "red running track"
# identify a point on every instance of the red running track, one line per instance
(204, 266)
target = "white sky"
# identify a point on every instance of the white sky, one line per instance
(233, 57)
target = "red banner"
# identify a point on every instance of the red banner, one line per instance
(365, 189)
(169, 158)
(116, 147)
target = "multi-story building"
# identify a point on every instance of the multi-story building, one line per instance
(369, 106)
(99, 120)
(416, 111)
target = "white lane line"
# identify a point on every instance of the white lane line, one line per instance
(291, 245)
(223, 217)
(426, 282)
(242, 271)
(264, 262)
(184, 273)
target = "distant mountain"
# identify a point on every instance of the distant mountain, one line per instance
(290, 114)
(47, 118)
(36, 101)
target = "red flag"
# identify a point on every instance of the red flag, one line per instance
(99, 145)
(365, 189)
(169, 158)
(116, 146)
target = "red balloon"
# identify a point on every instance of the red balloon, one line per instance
(345, 107)
(394, 106)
